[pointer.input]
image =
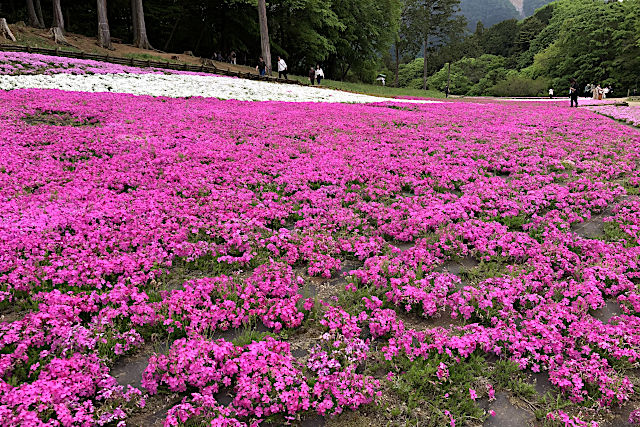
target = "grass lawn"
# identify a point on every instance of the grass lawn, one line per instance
(376, 90)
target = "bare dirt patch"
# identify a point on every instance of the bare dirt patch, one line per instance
(27, 36)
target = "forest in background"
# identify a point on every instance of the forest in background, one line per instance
(594, 41)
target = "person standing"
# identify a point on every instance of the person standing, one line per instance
(573, 92)
(551, 93)
(596, 92)
(319, 74)
(282, 68)
(262, 67)
(312, 75)
(233, 57)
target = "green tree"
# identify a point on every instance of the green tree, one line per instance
(367, 28)
(432, 22)
(592, 41)
(501, 38)
(468, 73)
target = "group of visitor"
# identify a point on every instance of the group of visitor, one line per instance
(282, 68)
(315, 74)
(231, 58)
(597, 91)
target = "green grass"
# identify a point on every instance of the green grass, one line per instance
(146, 57)
(376, 90)
(40, 42)
(416, 383)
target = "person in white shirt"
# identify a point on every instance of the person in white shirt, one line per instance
(319, 74)
(551, 93)
(282, 68)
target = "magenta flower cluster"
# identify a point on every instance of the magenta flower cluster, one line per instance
(101, 207)
(629, 114)
(20, 63)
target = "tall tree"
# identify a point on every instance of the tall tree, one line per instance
(367, 29)
(33, 17)
(264, 34)
(432, 20)
(58, 19)
(104, 35)
(139, 28)
(39, 13)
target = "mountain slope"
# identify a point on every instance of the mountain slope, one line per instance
(530, 6)
(490, 12)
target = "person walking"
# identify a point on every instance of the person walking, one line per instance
(233, 57)
(282, 68)
(262, 67)
(573, 92)
(551, 93)
(312, 75)
(319, 74)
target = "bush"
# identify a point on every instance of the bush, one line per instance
(467, 73)
(520, 86)
(409, 74)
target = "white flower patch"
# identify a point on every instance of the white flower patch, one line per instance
(177, 86)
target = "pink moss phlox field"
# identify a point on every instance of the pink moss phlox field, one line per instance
(107, 197)
(629, 114)
(19, 63)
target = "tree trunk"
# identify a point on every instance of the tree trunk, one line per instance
(395, 80)
(104, 36)
(345, 72)
(197, 46)
(424, 69)
(140, 38)
(58, 20)
(39, 13)
(264, 34)
(33, 18)
(58, 36)
(173, 30)
(5, 31)
(134, 20)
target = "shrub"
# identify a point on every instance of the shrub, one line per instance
(519, 86)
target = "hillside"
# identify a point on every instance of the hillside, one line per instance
(490, 12)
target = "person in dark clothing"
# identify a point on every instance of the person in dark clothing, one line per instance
(312, 75)
(262, 67)
(573, 92)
